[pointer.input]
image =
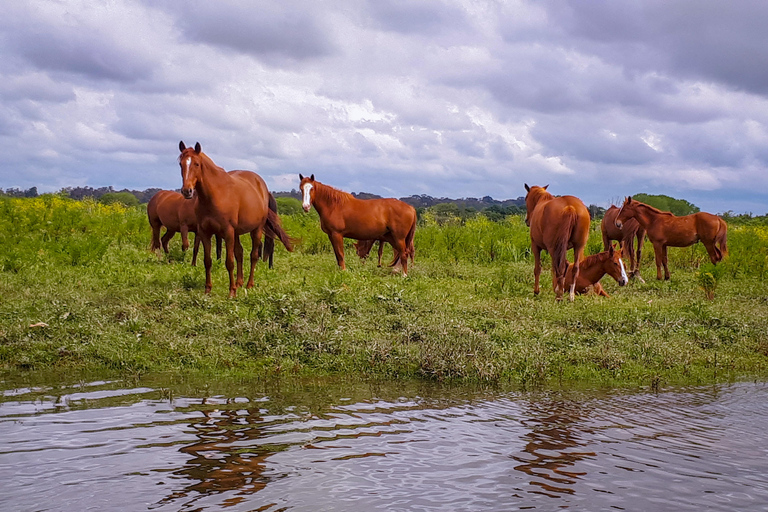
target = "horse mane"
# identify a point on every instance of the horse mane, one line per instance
(332, 195)
(654, 209)
(206, 160)
(591, 259)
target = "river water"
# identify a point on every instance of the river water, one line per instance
(270, 446)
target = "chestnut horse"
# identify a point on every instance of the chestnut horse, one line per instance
(668, 230)
(229, 204)
(626, 235)
(363, 248)
(342, 215)
(557, 224)
(170, 209)
(593, 268)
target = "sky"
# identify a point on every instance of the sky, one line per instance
(456, 98)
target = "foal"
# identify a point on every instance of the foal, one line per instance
(594, 267)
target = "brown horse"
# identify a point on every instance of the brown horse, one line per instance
(363, 248)
(557, 224)
(668, 230)
(344, 216)
(170, 209)
(593, 268)
(626, 235)
(229, 204)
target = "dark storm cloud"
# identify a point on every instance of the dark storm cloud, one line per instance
(698, 39)
(66, 44)
(267, 30)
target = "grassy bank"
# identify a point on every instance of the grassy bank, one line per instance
(466, 310)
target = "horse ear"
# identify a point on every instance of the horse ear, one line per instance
(197, 148)
(527, 188)
(300, 177)
(312, 178)
(628, 200)
(545, 186)
(182, 147)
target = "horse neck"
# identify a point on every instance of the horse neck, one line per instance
(644, 215)
(591, 269)
(211, 179)
(326, 198)
(542, 197)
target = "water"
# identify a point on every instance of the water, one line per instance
(339, 446)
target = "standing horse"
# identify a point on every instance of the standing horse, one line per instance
(170, 209)
(668, 230)
(229, 204)
(342, 215)
(557, 224)
(363, 248)
(593, 268)
(626, 235)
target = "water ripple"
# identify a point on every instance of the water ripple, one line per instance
(102, 446)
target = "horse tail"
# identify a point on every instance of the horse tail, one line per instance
(564, 231)
(269, 241)
(274, 229)
(155, 223)
(409, 248)
(722, 239)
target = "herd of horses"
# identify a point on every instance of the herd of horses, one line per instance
(226, 205)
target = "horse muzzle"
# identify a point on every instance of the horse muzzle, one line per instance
(618, 224)
(306, 207)
(187, 192)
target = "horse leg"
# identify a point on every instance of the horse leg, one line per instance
(195, 250)
(578, 255)
(381, 250)
(167, 238)
(600, 291)
(337, 241)
(230, 240)
(402, 254)
(713, 251)
(239, 261)
(255, 254)
(536, 268)
(207, 261)
(184, 241)
(155, 236)
(636, 266)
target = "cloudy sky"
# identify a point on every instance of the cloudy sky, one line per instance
(455, 98)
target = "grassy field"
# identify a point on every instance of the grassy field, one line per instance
(80, 292)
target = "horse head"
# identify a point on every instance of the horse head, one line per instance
(307, 187)
(626, 212)
(614, 266)
(191, 164)
(532, 197)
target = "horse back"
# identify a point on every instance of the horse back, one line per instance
(245, 202)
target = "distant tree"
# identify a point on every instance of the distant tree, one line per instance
(596, 212)
(288, 206)
(125, 198)
(667, 203)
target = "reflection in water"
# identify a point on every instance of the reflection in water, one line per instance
(225, 457)
(553, 446)
(105, 446)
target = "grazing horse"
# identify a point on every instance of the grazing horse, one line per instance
(363, 248)
(594, 267)
(229, 204)
(626, 235)
(557, 224)
(342, 215)
(668, 230)
(170, 209)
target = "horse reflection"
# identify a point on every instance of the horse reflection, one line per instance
(553, 447)
(225, 458)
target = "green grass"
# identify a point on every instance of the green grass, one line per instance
(466, 310)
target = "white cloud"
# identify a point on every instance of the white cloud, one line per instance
(445, 98)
